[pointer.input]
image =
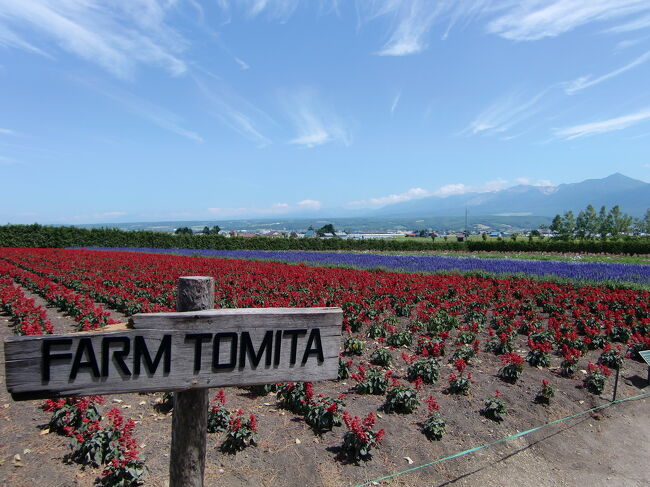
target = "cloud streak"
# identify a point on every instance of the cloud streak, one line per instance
(604, 126)
(142, 108)
(504, 114)
(531, 20)
(586, 81)
(411, 194)
(233, 110)
(118, 36)
(274, 209)
(395, 102)
(442, 192)
(314, 123)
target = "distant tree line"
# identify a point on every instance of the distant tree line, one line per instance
(62, 236)
(590, 225)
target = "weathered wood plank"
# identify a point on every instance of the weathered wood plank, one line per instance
(236, 318)
(135, 360)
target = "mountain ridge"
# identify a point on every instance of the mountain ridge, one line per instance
(632, 195)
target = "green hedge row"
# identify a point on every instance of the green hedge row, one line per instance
(48, 236)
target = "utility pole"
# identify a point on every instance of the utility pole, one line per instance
(466, 232)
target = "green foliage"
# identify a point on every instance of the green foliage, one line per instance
(494, 408)
(377, 330)
(292, 396)
(381, 357)
(401, 399)
(370, 381)
(510, 372)
(353, 346)
(545, 394)
(466, 352)
(596, 378)
(442, 321)
(344, 369)
(323, 413)
(538, 358)
(218, 415)
(426, 368)
(611, 358)
(62, 236)
(241, 432)
(400, 338)
(459, 384)
(328, 228)
(434, 426)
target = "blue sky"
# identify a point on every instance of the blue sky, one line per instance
(144, 110)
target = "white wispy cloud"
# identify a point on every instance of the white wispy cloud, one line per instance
(414, 20)
(117, 35)
(638, 23)
(604, 126)
(314, 123)
(274, 209)
(411, 21)
(242, 64)
(310, 204)
(504, 114)
(233, 110)
(274, 9)
(460, 188)
(586, 81)
(419, 193)
(530, 20)
(140, 107)
(393, 106)
(4, 131)
(530, 182)
(411, 194)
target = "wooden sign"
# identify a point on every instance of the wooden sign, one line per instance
(179, 351)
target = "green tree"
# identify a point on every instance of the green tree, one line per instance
(642, 225)
(556, 225)
(620, 222)
(329, 228)
(604, 223)
(184, 231)
(216, 229)
(564, 226)
(587, 223)
(206, 231)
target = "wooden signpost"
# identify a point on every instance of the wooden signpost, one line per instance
(188, 352)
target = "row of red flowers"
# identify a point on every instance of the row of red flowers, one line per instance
(28, 317)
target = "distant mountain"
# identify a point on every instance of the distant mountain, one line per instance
(632, 195)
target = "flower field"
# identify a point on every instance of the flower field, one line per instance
(483, 353)
(579, 271)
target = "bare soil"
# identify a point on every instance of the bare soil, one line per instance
(609, 447)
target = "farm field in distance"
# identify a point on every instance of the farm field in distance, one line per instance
(592, 270)
(454, 338)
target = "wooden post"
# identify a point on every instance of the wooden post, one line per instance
(618, 371)
(190, 414)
